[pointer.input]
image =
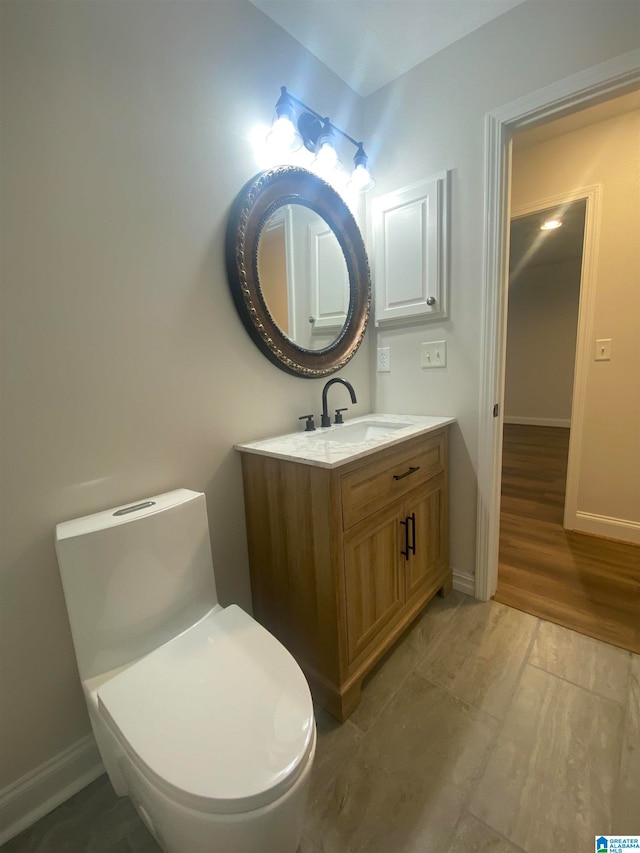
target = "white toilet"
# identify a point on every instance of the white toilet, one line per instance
(201, 716)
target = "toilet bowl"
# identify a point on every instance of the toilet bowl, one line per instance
(201, 716)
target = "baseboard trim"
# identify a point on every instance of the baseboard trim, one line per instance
(549, 422)
(41, 790)
(620, 529)
(463, 582)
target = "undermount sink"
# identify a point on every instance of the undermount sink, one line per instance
(358, 432)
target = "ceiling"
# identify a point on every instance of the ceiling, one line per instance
(532, 247)
(369, 43)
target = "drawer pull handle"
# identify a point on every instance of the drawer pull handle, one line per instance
(411, 470)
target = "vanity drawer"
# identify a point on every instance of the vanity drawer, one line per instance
(373, 486)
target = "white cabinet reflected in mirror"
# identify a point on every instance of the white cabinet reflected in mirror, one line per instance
(304, 276)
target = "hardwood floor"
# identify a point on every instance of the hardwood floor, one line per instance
(586, 583)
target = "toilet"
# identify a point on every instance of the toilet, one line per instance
(201, 716)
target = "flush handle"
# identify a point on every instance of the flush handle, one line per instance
(134, 508)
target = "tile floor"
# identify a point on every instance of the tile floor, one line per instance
(485, 729)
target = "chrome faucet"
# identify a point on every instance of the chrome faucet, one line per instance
(325, 420)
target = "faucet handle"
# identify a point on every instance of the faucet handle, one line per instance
(338, 417)
(310, 427)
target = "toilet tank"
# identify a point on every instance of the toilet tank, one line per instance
(134, 577)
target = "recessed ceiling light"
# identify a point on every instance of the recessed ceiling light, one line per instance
(551, 224)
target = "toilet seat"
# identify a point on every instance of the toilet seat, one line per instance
(220, 717)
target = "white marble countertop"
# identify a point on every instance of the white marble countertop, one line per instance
(324, 447)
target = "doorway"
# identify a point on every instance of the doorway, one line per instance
(543, 568)
(570, 95)
(565, 577)
(545, 273)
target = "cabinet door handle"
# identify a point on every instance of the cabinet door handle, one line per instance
(412, 547)
(405, 553)
(412, 470)
(409, 549)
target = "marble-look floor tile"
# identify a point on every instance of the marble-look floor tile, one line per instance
(140, 840)
(335, 744)
(442, 608)
(371, 809)
(406, 786)
(389, 674)
(95, 820)
(481, 654)
(550, 781)
(308, 845)
(472, 836)
(626, 814)
(584, 661)
(427, 734)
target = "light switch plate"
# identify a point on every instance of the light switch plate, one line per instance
(603, 349)
(433, 354)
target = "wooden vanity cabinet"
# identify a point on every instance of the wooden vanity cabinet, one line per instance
(343, 559)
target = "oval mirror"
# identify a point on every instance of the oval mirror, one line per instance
(298, 271)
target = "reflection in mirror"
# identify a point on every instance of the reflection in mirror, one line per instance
(273, 259)
(304, 276)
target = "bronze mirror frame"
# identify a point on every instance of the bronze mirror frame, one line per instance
(257, 201)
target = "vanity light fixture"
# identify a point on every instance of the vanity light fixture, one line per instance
(318, 135)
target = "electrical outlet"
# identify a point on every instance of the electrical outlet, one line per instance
(384, 359)
(433, 354)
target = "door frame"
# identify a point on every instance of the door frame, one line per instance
(584, 89)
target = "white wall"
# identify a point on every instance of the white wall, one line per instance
(603, 154)
(432, 119)
(126, 370)
(541, 343)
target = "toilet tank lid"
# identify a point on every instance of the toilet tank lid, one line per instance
(123, 514)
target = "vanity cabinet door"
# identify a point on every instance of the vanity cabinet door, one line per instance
(426, 533)
(373, 578)
(391, 559)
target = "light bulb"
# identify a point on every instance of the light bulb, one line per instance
(283, 135)
(326, 158)
(551, 225)
(361, 179)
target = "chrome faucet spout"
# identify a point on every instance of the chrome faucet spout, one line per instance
(325, 420)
